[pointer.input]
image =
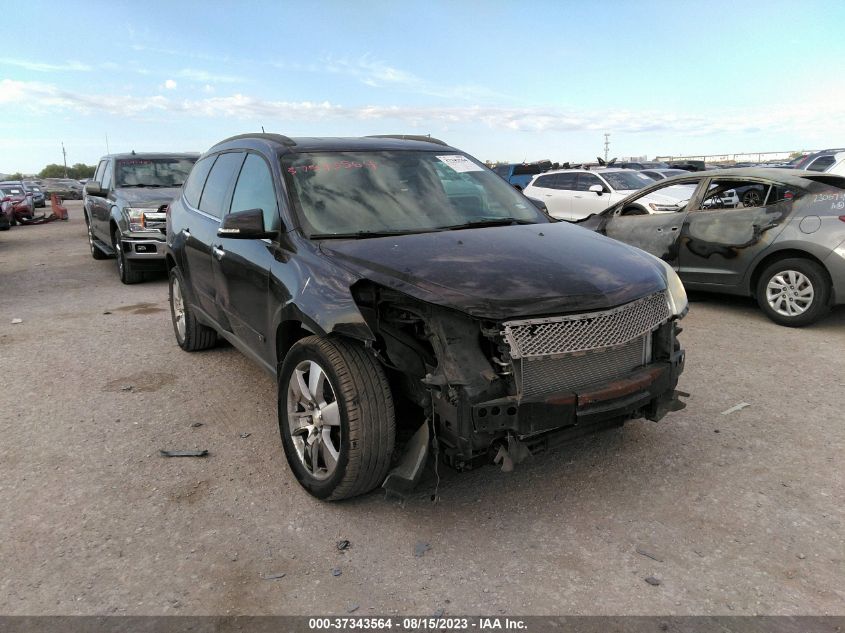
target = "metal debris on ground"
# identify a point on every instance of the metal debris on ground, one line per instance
(647, 554)
(353, 608)
(243, 436)
(202, 453)
(653, 581)
(438, 613)
(196, 425)
(16, 321)
(126, 388)
(106, 312)
(343, 545)
(336, 571)
(274, 576)
(421, 548)
(737, 407)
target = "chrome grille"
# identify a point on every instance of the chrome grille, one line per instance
(531, 338)
(570, 372)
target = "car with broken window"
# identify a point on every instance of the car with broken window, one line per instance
(787, 251)
(410, 304)
(124, 208)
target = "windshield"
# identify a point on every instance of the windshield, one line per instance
(153, 172)
(354, 193)
(626, 180)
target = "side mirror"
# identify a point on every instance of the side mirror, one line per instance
(93, 188)
(539, 204)
(597, 189)
(245, 225)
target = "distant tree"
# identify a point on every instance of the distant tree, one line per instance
(52, 171)
(795, 155)
(16, 176)
(78, 171)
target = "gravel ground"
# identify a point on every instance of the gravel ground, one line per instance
(734, 514)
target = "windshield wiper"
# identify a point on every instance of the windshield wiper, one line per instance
(357, 235)
(483, 222)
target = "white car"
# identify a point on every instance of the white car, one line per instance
(574, 194)
(838, 166)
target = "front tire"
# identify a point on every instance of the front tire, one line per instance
(794, 292)
(336, 417)
(127, 273)
(191, 335)
(752, 198)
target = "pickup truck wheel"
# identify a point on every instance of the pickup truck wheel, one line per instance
(191, 335)
(96, 253)
(336, 417)
(794, 292)
(124, 268)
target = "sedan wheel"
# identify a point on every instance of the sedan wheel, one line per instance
(794, 292)
(789, 293)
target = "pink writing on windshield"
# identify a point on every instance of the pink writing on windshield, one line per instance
(342, 164)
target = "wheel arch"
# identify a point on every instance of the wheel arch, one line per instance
(785, 253)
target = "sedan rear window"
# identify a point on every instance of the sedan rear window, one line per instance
(153, 172)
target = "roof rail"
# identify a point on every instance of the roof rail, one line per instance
(278, 138)
(410, 137)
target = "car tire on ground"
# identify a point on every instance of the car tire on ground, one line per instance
(191, 335)
(336, 417)
(752, 198)
(794, 292)
(96, 253)
(127, 273)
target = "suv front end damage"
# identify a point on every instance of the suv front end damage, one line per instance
(510, 387)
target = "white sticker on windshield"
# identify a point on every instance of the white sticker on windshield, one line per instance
(460, 163)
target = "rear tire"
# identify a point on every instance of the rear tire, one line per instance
(752, 198)
(346, 452)
(125, 271)
(191, 335)
(794, 292)
(96, 253)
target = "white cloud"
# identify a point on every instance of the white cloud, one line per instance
(784, 117)
(205, 76)
(44, 67)
(208, 88)
(169, 84)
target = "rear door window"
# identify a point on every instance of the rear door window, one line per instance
(821, 163)
(254, 190)
(565, 181)
(196, 181)
(545, 182)
(216, 194)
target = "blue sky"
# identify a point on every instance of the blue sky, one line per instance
(500, 80)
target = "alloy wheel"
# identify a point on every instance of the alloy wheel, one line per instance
(314, 419)
(178, 308)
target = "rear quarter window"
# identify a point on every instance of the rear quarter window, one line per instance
(196, 181)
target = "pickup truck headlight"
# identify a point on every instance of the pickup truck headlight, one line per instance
(676, 295)
(136, 218)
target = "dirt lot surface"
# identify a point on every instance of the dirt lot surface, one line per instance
(734, 514)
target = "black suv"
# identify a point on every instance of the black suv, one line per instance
(403, 294)
(125, 207)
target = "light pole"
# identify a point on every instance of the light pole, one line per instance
(606, 145)
(64, 157)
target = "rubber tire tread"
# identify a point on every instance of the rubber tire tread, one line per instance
(129, 276)
(367, 405)
(821, 285)
(197, 336)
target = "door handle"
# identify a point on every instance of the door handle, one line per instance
(218, 252)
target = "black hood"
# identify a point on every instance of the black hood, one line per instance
(505, 272)
(152, 196)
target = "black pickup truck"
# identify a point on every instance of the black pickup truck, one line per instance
(125, 209)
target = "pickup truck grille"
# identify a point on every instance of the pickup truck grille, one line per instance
(569, 352)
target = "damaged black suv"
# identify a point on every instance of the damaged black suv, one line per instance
(409, 302)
